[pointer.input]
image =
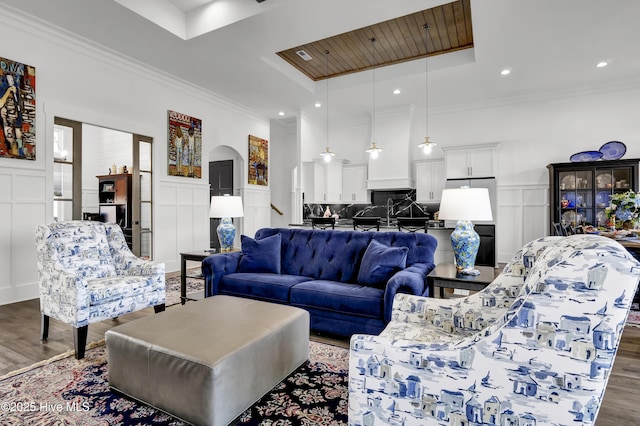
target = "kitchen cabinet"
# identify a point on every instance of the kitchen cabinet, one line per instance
(471, 162)
(114, 193)
(354, 184)
(322, 182)
(430, 181)
(579, 192)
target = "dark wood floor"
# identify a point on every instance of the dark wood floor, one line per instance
(20, 347)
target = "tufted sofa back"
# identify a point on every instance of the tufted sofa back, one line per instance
(336, 255)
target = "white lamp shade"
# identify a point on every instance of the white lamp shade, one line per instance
(226, 206)
(465, 204)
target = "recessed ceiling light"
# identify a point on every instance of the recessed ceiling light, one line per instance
(602, 64)
(281, 113)
(317, 105)
(505, 71)
(396, 92)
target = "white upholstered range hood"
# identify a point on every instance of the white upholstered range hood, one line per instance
(392, 169)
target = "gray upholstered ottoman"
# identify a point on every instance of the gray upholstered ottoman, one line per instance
(207, 361)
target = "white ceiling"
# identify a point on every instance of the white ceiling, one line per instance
(229, 47)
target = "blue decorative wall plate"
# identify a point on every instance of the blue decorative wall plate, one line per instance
(586, 156)
(613, 150)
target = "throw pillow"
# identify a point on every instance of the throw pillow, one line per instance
(380, 262)
(260, 255)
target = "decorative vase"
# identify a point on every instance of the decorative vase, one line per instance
(226, 234)
(465, 242)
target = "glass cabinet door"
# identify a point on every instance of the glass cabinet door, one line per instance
(576, 197)
(609, 181)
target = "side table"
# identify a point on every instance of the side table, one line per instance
(445, 275)
(195, 256)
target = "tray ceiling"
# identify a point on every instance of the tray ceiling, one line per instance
(397, 40)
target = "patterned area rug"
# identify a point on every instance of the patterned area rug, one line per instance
(172, 283)
(634, 318)
(72, 392)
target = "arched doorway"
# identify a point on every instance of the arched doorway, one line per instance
(225, 177)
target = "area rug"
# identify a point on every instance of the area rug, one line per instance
(634, 318)
(172, 283)
(72, 392)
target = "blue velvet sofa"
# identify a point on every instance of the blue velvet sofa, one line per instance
(345, 279)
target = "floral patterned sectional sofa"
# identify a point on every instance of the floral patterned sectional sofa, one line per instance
(534, 347)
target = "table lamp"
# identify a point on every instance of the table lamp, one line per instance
(225, 207)
(464, 205)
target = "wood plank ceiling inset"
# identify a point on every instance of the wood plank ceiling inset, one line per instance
(397, 40)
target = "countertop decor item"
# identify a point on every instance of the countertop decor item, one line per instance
(465, 205)
(225, 207)
(613, 150)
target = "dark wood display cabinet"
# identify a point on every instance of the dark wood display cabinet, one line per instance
(579, 192)
(114, 192)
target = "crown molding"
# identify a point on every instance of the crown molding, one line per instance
(541, 96)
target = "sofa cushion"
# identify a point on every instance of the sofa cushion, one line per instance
(339, 297)
(274, 287)
(260, 255)
(380, 262)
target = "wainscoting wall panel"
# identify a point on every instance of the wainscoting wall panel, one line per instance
(257, 209)
(181, 220)
(23, 203)
(523, 215)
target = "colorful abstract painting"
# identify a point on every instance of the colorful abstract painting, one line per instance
(17, 110)
(185, 145)
(258, 161)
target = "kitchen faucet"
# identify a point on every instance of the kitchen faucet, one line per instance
(389, 210)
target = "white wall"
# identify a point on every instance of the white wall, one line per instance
(532, 134)
(283, 158)
(83, 82)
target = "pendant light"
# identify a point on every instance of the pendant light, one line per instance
(327, 154)
(426, 146)
(373, 150)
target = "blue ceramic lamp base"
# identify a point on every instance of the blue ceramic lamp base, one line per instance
(226, 234)
(465, 242)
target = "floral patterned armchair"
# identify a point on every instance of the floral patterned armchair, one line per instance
(534, 347)
(87, 273)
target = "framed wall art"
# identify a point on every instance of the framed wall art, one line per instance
(258, 161)
(17, 110)
(185, 145)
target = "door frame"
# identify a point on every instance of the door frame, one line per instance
(136, 201)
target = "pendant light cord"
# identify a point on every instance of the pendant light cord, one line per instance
(373, 68)
(326, 52)
(426, 79)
